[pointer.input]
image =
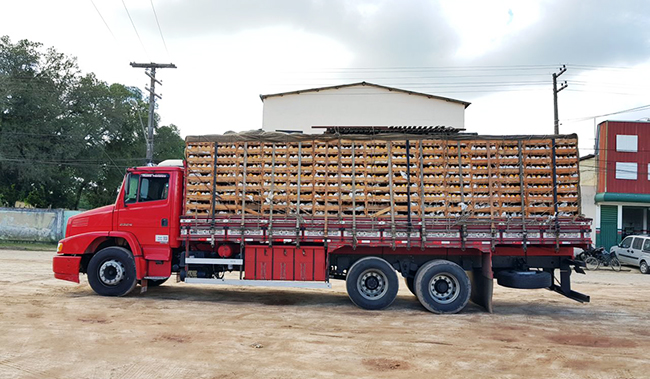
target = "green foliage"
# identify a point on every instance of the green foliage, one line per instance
(66, 138)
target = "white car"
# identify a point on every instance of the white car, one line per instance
(634, 251)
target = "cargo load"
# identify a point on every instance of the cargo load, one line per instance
(382, 176)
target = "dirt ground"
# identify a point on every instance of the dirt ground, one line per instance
(56, 329)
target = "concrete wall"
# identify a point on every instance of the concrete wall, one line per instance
(33, 225)
(358, 106)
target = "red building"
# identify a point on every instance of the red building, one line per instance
(623, 180)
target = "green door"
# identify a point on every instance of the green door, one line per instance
(608, 224)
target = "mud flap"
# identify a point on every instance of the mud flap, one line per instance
(483, 283)
(143, 285)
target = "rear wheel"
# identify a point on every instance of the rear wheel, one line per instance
(592, 263)
(615, 264)
(442, 287)
(643, 267)
(372, 283)
(111, 272)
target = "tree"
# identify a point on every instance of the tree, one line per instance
(66, 139)
(34, 91)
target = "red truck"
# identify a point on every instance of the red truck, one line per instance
(449, 214)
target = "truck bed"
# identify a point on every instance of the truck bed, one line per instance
(468, 233)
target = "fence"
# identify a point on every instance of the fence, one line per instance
(33, 225)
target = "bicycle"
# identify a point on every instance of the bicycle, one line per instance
(594, 258)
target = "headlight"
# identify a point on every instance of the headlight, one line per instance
(59, 247)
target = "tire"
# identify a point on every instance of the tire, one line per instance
(410, 281)
(643, 267)
(111, 272)
(372, 283)
(615, 264)
(524, 279)
(442, 287)
(592, 263)
(155, 282)
(582, 256)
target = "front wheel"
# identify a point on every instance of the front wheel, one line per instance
(442, 287)
(372, 283)
(643, 267)
(111, 272)
(592, 263)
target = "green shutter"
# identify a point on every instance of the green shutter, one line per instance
(608, 224)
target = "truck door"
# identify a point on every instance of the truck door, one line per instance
(146, 213)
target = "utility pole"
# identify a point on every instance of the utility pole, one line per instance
(152, 100)
(555, 92)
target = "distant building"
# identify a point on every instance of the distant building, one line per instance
(359, 105)
(622, 187)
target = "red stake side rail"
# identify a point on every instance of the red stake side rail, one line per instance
(433, 233)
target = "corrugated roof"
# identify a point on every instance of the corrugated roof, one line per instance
(438, 129)
(465, 103)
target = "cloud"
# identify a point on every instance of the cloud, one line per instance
(595, 32)
(385, 33)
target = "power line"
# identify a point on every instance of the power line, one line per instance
(102, 17)
(135, 29)
(71, 164)
(640, 108)
(159, 29)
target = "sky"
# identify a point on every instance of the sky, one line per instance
(499, 55)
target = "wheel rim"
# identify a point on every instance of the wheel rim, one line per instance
(644, 267)
(111, 272)
(372, 284)
(444, 288)
(591, 263)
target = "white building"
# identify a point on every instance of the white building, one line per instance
(359, 104)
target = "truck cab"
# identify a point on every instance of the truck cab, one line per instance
(142, 225)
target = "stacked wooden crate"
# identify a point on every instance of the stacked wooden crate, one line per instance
(482, 177)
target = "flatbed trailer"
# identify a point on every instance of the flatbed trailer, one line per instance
(449, 214)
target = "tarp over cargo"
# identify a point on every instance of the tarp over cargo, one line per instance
(279, 137)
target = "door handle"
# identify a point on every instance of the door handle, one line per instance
(164, 222)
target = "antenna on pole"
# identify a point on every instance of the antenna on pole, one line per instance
(152, 100)
(556, 130)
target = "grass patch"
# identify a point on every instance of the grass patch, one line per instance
(23, 245)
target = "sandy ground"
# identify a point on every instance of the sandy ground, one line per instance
(56, 329)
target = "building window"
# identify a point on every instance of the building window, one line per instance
(627, 143)
(626, 170)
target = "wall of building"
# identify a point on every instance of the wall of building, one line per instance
(588, 181)
(611, 156)
(33, 225)
(358, 106)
